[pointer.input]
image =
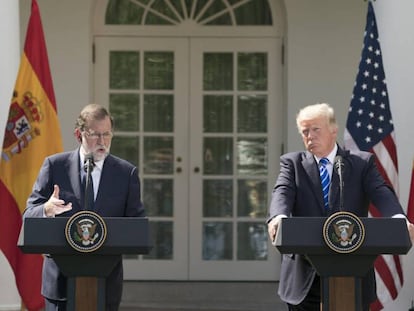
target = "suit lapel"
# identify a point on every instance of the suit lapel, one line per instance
(312, 171)
(105, 181)
(74, 175)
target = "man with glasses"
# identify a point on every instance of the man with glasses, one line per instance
(59, 191)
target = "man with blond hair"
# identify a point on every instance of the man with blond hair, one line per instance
(302, 190)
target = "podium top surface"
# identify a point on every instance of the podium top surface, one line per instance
(125, 235)
(304, 235)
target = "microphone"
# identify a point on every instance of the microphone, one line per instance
(88, 163)
(339, 167)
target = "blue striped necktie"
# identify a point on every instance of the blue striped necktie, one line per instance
(325, 180)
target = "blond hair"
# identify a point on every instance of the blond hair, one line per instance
(316, 111)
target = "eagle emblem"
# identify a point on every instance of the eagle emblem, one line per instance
(343, 232)
(85, 231)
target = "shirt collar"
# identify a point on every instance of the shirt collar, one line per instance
(98, 164)
(330, 156)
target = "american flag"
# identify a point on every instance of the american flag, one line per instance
(370, 128)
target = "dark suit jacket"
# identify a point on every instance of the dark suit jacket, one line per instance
(118, 196)
(298, 192)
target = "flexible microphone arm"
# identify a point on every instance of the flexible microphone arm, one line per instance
(88, 167)
(339, 164)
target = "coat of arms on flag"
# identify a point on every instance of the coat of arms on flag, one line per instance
(21, 125)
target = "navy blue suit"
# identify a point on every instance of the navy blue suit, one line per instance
(118, 196)
(298, 192)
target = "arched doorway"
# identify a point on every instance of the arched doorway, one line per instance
(196, 88)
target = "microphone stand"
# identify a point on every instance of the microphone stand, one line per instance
(341, 191)
(88, 167)
(338, 166)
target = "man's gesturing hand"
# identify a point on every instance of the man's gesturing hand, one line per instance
(55, 206)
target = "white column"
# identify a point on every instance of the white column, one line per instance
(9, 63)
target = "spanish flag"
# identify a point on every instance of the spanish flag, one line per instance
(32, 132)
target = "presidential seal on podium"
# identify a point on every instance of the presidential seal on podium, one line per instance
(343, 232)
(85, 231)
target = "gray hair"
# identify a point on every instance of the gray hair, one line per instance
(92, 112)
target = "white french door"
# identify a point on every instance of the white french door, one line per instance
(202, 119)
(141, 80)
(235, 137)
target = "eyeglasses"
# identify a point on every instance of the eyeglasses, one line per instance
(96, 136)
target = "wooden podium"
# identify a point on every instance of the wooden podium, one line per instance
(86, 272)
(341, 273)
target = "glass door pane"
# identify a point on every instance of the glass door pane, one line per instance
(147, 97)
(234, 154)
